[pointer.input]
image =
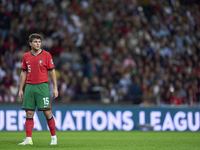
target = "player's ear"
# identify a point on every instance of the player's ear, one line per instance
(30, 43)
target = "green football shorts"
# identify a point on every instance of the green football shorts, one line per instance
(37, 95)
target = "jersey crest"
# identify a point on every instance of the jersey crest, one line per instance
(40, 62)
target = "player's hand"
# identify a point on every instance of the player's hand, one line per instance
(21, 95)
(55, 93)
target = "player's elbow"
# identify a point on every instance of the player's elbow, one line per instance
(52, 71)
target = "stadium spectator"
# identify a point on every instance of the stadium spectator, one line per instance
(4, 22)
(14, 89)
(8, 78)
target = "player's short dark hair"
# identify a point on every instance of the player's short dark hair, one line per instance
(35, 36)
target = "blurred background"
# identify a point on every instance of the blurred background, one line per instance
(111, 52)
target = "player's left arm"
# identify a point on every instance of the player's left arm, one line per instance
(54, 80)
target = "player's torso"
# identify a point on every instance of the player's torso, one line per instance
(36, 63)
(36, 67)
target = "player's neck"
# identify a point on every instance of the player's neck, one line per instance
(35, 52)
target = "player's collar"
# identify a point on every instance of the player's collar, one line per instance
(37, 54)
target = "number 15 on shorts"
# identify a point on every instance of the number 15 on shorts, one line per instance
(46, 101)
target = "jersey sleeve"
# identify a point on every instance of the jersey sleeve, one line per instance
(50, 63)
(23, 66)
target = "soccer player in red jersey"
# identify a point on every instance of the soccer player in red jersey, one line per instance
(35, 67)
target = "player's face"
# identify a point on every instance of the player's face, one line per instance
(35, 44)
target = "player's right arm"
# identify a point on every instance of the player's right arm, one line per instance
(22, 82)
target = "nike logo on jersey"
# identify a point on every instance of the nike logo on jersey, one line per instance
(27, 62)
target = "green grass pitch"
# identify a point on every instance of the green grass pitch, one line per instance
(104, 140)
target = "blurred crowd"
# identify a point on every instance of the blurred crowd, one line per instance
(143, 52)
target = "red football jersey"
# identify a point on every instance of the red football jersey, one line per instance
(37, 66)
